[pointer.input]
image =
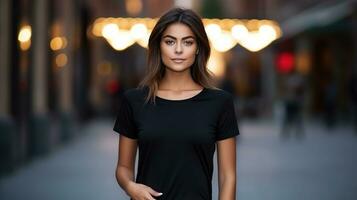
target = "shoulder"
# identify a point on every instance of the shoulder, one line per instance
(220, 99)
(134, 94)
(219, 94)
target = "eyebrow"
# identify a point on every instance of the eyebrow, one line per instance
(170, 36)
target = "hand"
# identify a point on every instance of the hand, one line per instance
(139, 191)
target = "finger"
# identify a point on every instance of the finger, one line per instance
(150, 197)
(153, 192)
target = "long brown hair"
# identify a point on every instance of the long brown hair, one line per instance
(156, 69)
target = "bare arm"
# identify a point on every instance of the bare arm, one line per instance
(126, 162)
(226, 159)
(126, 169)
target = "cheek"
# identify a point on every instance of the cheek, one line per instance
(165, 51)
(165, 54)
(191, 53)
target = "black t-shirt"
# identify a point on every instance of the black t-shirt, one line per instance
(176, 139)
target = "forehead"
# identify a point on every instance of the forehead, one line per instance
(178, 30)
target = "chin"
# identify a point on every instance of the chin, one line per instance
(178, 68)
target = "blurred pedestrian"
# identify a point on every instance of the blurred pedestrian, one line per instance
(176, 118)
(329, 103)
(352, 89)
(293, 105)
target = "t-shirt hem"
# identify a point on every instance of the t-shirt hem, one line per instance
(234, 133)
(121, 132)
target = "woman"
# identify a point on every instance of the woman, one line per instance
(175, 118)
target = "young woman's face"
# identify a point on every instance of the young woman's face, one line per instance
(178, 47)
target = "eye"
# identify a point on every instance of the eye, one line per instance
(188, 43)
(169, 42)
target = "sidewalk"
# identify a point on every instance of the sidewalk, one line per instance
(319, 166)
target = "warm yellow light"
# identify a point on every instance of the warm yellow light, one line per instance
(223, 34)
(221, 40)
(104, 68)
(257, 39)
(239, 31)
(216, 63)
(118, 39)
(213, 31)
(138, 31)
(224, 42)
(61, 60)
(303, 62)
(25, 45)
(268, 32)
(98, 26)
(110, 30)
(24, 34)
(252, 42)
(121, 40)
(58, 43)
(133, 7)
(144, 42)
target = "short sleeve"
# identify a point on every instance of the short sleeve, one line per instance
(227, 125)
(124, 123)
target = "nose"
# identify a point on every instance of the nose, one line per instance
(178, 48)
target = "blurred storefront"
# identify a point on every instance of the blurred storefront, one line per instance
(322, 44)
(56, 73)
(37, 101)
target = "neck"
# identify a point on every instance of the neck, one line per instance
(174, 80)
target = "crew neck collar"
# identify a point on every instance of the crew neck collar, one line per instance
(183, 100)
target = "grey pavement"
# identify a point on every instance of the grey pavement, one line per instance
(321, 165)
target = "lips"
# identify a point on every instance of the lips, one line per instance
(178, 60)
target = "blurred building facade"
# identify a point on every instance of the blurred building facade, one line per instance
(318, 39)
(54, 74)
(320, 36)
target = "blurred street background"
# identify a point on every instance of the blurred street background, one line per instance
(291, 65)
